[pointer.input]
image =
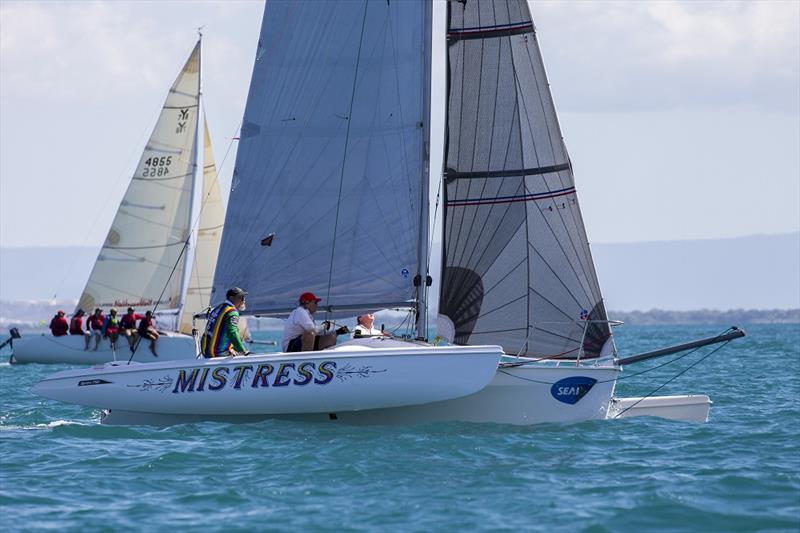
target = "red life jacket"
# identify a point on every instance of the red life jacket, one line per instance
(96, 322)
(128, 321)
(59, 326)
(76, 326)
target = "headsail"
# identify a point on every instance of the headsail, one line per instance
(517, 267)
(209, 233)
(326, 191)
(137, 263)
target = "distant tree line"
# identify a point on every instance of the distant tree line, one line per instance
(708, 316)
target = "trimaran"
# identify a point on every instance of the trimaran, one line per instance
(330, 194)
(152, 259)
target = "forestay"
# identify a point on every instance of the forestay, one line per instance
(141, 258)
(517, 267)
(326, 194)
(209, 234)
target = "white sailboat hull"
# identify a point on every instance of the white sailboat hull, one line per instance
(69, 349)
(347, 379)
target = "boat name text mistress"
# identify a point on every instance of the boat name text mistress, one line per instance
(194, 380)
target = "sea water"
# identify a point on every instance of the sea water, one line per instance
(61, 469)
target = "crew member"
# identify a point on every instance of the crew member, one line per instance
(59, 325)
(128, 323)
(95, 326)
(221, 337)
(147, 330)
(302, 334)
(76, 324)
(364, 327)
(111, 327)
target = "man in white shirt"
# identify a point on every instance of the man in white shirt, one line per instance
(365, 327)
(301, 333)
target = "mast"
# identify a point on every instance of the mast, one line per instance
(421, 280)
(187, 252)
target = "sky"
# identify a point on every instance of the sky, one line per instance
(682, 119)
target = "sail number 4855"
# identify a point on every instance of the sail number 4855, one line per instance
(156, 166)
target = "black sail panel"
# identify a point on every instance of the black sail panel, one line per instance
(517, 266)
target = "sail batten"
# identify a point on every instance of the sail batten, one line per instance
(515, 249)
(153, 221)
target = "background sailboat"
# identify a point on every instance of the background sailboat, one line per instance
(147, 260)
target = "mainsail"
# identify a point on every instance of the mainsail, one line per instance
(209, 233)
(326, 193)
(142, 260)
(517, 270)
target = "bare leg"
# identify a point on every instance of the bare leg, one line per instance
(153, 346)
(86, 338)
(97, 339)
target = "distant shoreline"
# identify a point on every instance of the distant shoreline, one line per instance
(36, 315)
(707, 316)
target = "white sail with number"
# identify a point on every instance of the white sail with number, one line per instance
(142, 259)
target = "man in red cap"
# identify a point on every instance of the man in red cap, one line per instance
(59, 325)
(301, 333)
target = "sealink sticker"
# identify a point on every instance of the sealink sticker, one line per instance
(571, 390)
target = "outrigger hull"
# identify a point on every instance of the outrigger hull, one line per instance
(69, 349)
(352, 378)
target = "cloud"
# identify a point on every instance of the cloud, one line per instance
(613, 56)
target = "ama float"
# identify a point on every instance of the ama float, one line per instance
(331, 192)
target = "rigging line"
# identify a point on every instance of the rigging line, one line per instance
(617, 379)
(158, 301)
(346, 141)
(673, 378)
(690, 352)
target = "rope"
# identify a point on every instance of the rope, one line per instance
(673, 378)
(507, 365)
(344, 154)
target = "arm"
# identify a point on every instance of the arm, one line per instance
(232, 328)
(305, 321)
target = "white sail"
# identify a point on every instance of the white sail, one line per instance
(142, 259)
(209, 233)
(326, 191)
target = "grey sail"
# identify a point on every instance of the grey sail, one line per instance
(517, 270)
(142, 260)
(326, 192)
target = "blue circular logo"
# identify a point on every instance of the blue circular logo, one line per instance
(405, 273)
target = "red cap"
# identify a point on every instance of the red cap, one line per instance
(309, 297)
(60, 312)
